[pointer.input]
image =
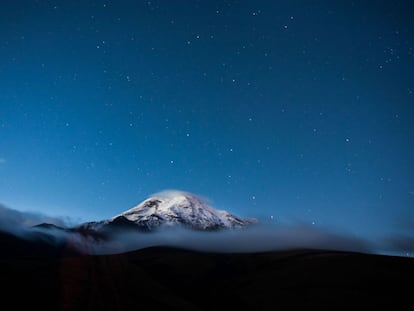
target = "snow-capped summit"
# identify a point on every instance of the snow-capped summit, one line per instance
(169, 208)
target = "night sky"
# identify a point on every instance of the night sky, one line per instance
(287, 111)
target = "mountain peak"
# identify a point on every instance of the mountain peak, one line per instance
(169, 208)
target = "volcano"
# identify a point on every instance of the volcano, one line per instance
(172, 208)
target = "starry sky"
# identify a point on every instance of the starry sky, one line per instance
(285, 111)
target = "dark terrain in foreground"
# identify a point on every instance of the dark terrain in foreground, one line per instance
(38, 276)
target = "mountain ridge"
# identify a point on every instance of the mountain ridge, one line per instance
(159, 278)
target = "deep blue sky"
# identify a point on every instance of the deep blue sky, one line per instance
(300, 110)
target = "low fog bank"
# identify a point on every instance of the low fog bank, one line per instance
(256, 238)
(12, 219)
(27, 225)
(21, 223)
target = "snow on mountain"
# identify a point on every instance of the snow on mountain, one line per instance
(173, 207)
(170, 208)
